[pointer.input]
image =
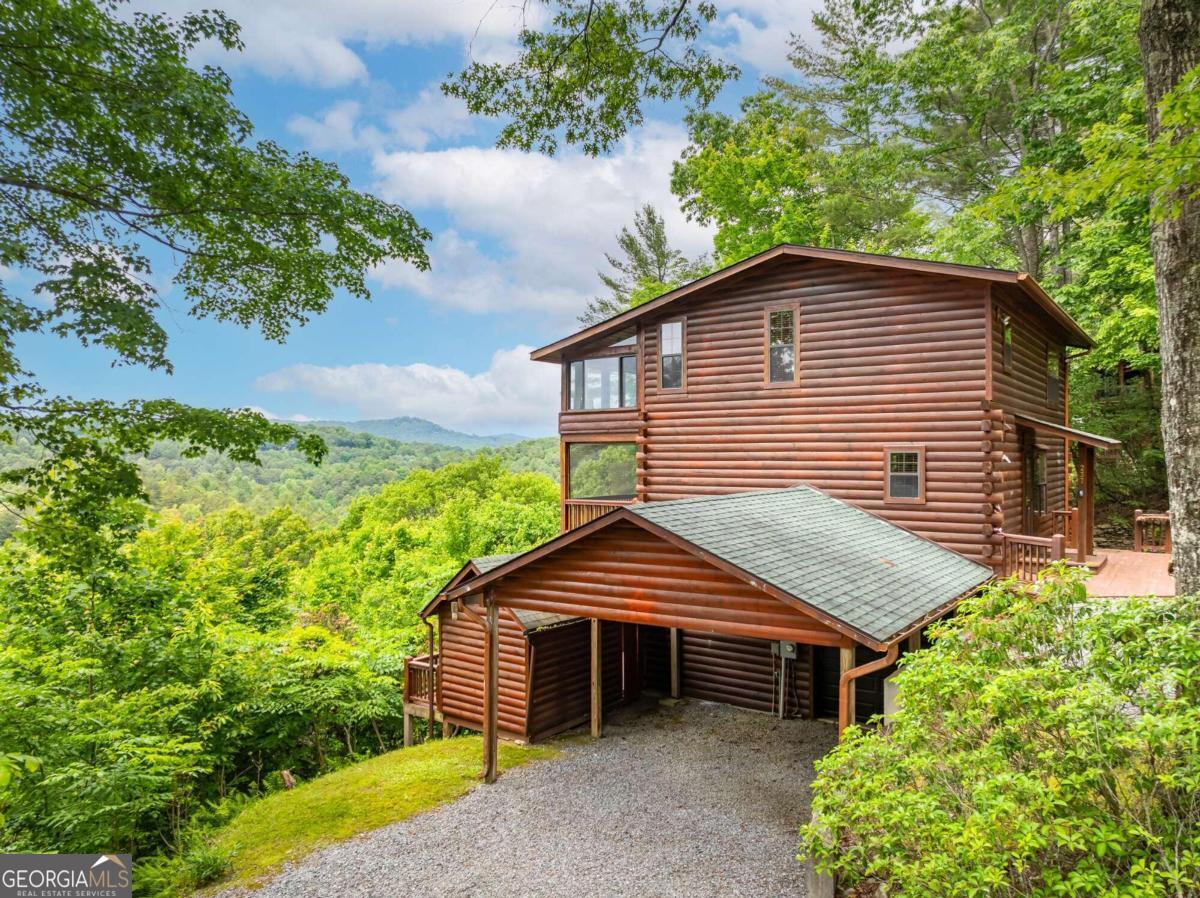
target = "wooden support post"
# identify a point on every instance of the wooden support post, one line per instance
(597, 682)
(434, 675)
(914, 641)
(408, 734)
(675, 679)
(1087, 504)
(845, 663)
(1058, 547)
(491, 689)
(1137, 530)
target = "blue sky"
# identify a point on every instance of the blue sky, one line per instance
(518, 237)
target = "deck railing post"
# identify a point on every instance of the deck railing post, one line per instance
(1058, 547)
(1138, 524)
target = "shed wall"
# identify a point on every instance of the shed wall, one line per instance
(460, 686)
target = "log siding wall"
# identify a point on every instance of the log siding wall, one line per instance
(460, 685)
(1022, 389)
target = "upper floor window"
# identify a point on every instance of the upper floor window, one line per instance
(605, 382)
(781, 346)
(1055, 368)
(670, 356)
(904, 474)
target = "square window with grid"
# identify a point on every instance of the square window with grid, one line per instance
(904, 474)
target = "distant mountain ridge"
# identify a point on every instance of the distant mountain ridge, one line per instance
(419, 430)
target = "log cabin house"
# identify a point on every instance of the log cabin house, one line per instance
(773, 478)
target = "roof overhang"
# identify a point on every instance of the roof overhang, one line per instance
(466, 572)
(1049, 428)
(480, 583)
(1076, 336)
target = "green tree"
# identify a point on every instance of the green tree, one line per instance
(1044, 746)
(782, 174)
(115, 156)
(647, 267)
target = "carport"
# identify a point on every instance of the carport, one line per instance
(794, 566)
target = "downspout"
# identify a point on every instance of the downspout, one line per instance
(853, 674)
(434, 673)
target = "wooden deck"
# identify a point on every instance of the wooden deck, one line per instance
(1127, 573)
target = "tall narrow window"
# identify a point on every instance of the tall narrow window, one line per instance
(1055, 364)
(781, 346)
(670, 359)
(1006, 336)
(904, 474)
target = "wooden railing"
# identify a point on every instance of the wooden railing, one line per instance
(1066, 522)
(577, 512)
(1026, 556)
(1151, 532)
(420, 679)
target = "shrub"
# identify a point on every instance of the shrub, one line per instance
(1046, 745)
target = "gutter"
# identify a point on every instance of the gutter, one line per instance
(853, 674)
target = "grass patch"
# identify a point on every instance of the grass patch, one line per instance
(286, 826)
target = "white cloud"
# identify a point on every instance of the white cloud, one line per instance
(759, 32)
(295, 419)
(513, 394)
(310, 40)
(430, 116)
(530, 231)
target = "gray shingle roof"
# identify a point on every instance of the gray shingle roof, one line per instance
(487, 562)
(856, 567)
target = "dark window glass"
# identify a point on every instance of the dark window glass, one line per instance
(602, 470)
(1039, 481)
(629, 396)
(602, 383)
(904, 475)
(671, 356)
(782, 345)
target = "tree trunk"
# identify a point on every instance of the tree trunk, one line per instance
(1170, 44)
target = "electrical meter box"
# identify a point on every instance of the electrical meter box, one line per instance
(784, 649)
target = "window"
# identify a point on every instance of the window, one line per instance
(1038, 499)
(1006, 336)
(781, 346)
(606, 382)
(1055, 367)
(601, 471)
(670, 356)
(904, 474)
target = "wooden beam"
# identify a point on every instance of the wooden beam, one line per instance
(675, 672)
(914, 641)
(1087, 503)
(491, 689)
(408, 730)
(597, 682)
(846, 687)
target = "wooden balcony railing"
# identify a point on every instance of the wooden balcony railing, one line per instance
(420, 680)
(577, 512)
(1151, 532)
(1026, 556)
(1066, 522)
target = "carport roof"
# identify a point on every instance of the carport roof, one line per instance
(854, 566)
(875, 578)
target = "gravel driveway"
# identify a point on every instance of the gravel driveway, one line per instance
(690, 799)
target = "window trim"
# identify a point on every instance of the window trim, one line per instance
(794, 308)
(919, 449)
(683, 379)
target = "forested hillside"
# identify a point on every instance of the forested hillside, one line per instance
(356, 464)
(184, 664)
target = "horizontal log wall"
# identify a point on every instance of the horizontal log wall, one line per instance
(623, 573)
(460, 692)
(884, 357)
(739, 671)
(1022, 389)
(560, 676)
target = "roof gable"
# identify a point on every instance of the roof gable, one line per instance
(851, 570)
(1029, 287)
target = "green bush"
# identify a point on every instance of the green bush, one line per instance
(1047, 745)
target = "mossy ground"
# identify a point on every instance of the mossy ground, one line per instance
(288, 825)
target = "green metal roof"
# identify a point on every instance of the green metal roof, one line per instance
(874, 576)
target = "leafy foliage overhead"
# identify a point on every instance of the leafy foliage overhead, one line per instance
(116, 156)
